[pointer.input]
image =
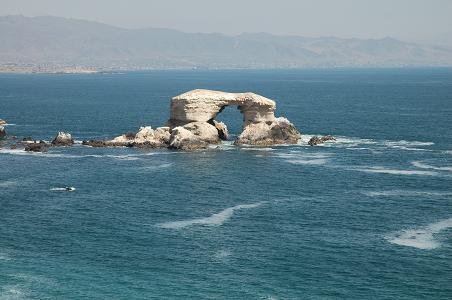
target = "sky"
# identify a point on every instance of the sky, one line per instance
(404, 19)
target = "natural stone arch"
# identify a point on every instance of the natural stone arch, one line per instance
(194, 112)
(205, 105)
(192, 123)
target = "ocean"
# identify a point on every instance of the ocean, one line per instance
(366, 217)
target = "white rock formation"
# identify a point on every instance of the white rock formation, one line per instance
(260, 127)
(63, 139)
(192, 123)
(204, 105)
(194, 135)
(146, 136)
(2, 131)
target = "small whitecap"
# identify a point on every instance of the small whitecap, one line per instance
(421, 238)
(422, 165)
(384, 170)
(213, 220)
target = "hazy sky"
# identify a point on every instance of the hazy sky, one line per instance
(406, 19)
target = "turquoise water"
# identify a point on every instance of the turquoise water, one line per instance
(368, 217)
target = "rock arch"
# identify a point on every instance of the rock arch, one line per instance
(193, 116)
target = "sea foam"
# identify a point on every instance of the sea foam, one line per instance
(302, 158)
(421, 238)
(158, 167)
(213, 220)
(405, 193)
(8, 183)
(395, 171)
(422, 165)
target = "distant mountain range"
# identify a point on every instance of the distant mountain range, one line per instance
(69, 42)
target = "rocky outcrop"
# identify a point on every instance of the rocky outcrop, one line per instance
(3, 122)
(222, 129)
(145, 137)
(315, 140)
(192, 123)
(40, 146)
(2, 132)
(260, 127)
(280, 131)
(63, 139)
(194, 135)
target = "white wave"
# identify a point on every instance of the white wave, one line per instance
(214, 220)
(422, 165)
(62, 189)
(303, 158)
(447, 151)
(408, 143)
(37, 154)
(318, 161)
(8, 183)
(158, 167)
(421, 238)
(4, 256)
(406, 193)
(10, 292)
(62, 155)
(395, 171)
(222, 254)
(256, 149)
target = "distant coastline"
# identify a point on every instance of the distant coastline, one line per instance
(61, 69)
(60, 45)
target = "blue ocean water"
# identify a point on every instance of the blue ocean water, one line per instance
(367, 217)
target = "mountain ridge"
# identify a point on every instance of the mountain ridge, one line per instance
(48, 40)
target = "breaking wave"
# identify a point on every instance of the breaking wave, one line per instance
(214, 220)
(158, 167)
(62, 189)
(395, 171)
(421, 238)
(62, 155)
(422, 165)
(406, 193)
(301, 158)
(8, 183)
(318, 161)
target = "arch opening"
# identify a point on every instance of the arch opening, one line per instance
(232, 117)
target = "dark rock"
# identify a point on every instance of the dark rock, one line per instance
(315, 140)
(37, 147)
(95, 143)
(222, 130)
(2, 132)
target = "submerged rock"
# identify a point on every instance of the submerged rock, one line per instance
(315, 140)
(40, 146)
(63, 139)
